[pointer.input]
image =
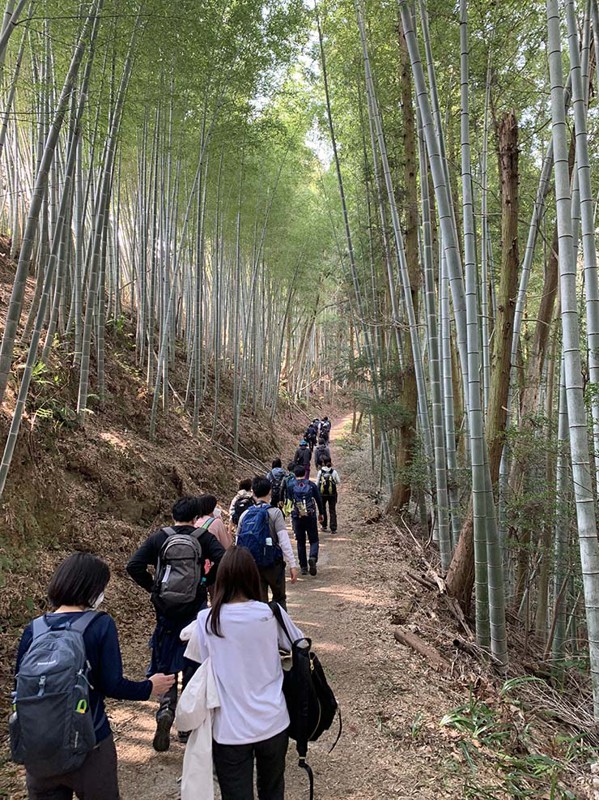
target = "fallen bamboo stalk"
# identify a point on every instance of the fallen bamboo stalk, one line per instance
(413, 641)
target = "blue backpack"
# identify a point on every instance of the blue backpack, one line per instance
(304, 504)
(255, 534)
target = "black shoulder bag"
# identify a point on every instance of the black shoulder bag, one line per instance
(310, 700)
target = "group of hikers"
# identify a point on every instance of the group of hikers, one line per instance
(208, 581)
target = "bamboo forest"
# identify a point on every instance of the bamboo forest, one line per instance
(221, 220)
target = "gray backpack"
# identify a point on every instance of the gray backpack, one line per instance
(51, 727)
(178, 573)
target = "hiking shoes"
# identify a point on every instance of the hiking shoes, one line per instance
(183, 736)
(162, 737)
(324, 527)
(312, 566)
(304, 571)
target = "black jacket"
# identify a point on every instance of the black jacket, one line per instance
(303, 456)
(148, 553)
(321, 454)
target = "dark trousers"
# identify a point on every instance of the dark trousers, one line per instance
(169, 699)
(273, 578)
(96, 779)
(234, 764)
(331, 502)
(302, 527)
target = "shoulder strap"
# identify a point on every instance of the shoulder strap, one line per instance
(39, 626)
(276, 611)
(170, 531)
(84, 621)
(205, 525)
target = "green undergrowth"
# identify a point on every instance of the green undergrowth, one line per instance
(499, 733)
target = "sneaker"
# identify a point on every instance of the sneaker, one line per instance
(323, 528)
(335, 531)
(304, 571)
(162, 737)
(312, 565)
(183, 736)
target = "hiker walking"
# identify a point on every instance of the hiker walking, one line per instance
(276, 476)
(325, 429)
(73, 650)
(209, 519)
(178, 555)
(242, 500)
(328, 482)
(312, 434)
(303, 456)
(307, 510)
(241, 637)
(322, 453)
(263, 532)
(287, 482)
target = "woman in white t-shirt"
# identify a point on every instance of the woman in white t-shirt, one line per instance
(242, 637)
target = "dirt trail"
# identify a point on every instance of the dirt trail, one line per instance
(391, 746)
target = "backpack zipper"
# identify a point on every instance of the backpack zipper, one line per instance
(42, 685)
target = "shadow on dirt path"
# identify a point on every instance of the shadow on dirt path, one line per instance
(389, 701)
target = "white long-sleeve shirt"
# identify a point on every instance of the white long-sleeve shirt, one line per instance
(247, 669)
(334, 475)
(277, 524)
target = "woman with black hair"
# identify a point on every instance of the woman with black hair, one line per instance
(77, 587)
(242, 638)
(209, 519)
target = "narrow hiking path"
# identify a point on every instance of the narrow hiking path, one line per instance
(391, 702)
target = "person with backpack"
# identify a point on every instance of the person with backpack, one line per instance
(325, 429)
(286, 484)
(209, 519)
(307, 511)
(68, 662)
(242, 500)
(321, 453)
(328, 481)
(312, 434)
(276, 477)
(263, 532)
(178, 591)
(303, 456)
(241, 636)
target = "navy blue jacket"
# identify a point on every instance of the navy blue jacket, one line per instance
(106, 665)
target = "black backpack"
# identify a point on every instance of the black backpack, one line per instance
(51, 727)
(326, 484)
(179, 573)
(310, 700)
(240, 506)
